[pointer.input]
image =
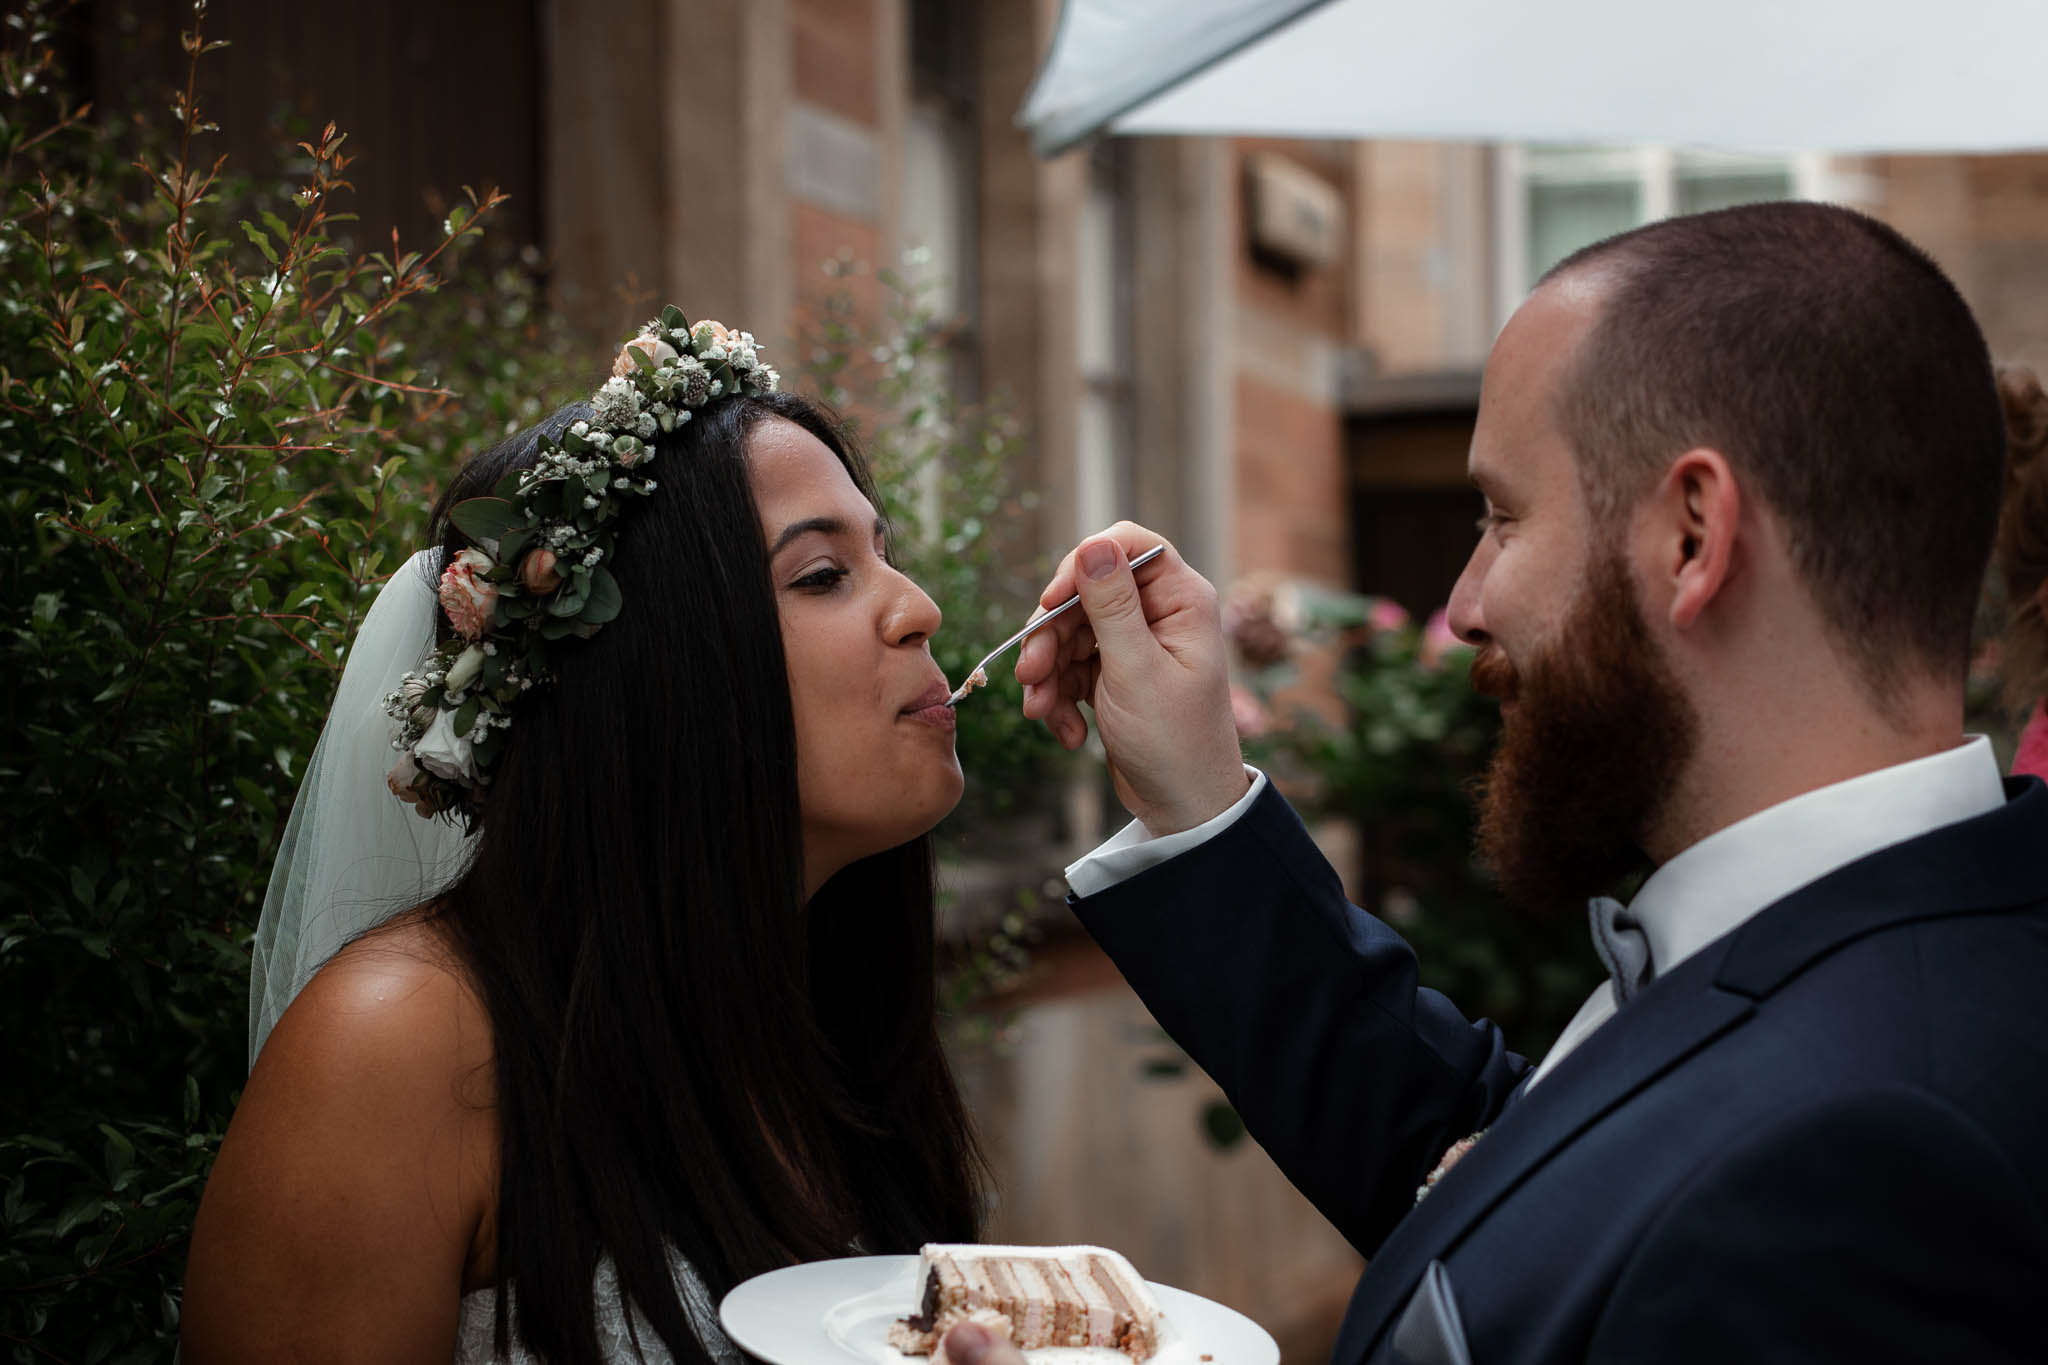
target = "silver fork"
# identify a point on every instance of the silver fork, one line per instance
(980, 674)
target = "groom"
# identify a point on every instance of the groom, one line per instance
(1741, 474)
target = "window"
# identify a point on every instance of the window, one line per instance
(1553, 200)
(1102, 428)
(940, 163)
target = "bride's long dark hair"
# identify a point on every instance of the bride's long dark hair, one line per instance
(689, 1057)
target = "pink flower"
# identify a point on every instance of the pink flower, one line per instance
(1438, 639)
(468, 599)
(1249, 713)
(1384, 615)
(537, 572)
(1451, 1158)
(659, 351)
(401, 778)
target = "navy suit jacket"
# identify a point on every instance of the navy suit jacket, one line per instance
(1822, 1137)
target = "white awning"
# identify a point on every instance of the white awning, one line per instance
(1761, 75)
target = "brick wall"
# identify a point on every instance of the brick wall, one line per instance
(1291, 497)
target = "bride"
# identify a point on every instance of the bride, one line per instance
(664, 1019)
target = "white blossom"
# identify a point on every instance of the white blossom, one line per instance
(616, 406)
(693, 383)
(444, 753)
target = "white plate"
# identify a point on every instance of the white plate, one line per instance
(833, 1312)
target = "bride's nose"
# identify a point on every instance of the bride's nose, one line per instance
(911, 616)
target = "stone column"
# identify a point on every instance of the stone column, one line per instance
(1030, 221)
(665, 148)
(1182, 356)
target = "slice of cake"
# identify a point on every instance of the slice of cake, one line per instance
(1040, 1296)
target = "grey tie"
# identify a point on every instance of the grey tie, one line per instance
(1619, 939)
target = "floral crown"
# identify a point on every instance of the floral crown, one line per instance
(537, 573)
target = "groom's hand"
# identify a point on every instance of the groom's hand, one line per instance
(1148, 658)
(972, 1344)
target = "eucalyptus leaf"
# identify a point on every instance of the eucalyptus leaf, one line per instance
(483, 520)
(604, 598)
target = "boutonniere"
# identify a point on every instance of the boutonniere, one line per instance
(1451, 1158)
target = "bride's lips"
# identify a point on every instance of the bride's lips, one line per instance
(930, 707)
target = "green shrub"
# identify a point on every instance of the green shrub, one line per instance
(206, 400)
(961, 530)
(1397, 761)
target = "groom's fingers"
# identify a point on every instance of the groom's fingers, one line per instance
(972, 1344)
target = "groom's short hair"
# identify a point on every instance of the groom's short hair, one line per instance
(1844, 379)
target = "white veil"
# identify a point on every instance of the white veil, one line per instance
(353, 854)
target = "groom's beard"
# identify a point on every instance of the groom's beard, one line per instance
(1594, 743)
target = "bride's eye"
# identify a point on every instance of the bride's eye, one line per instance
(818, 580)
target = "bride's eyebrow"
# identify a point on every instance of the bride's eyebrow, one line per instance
(831, 526)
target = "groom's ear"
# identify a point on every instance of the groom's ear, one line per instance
(1686, 531)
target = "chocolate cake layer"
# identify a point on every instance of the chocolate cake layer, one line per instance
(1048, 1296)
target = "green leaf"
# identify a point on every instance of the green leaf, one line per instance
(256, 235)
(118, 1154)
(84, 886)
(673, 319)
(256, 798)
(485, 519)
(48, 604)
(81, 1208)
(604, 600)
(512, 546)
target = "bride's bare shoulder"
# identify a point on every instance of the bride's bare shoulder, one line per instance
(354, 1193)
(398, 999)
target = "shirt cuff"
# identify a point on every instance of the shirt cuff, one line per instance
(1133, 849)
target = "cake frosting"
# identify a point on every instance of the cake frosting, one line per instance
(978, 678)
(1071, 1296)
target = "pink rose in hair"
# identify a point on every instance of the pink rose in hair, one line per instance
(468, 599)
(401, 778)
(659, 351)
(537, 572)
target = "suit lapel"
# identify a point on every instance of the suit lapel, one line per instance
(1658, 1030)
(1987, 863)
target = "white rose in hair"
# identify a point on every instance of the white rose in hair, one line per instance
(444, 753)
(464, 670)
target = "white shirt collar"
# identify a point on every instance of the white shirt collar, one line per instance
(1727, 877)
